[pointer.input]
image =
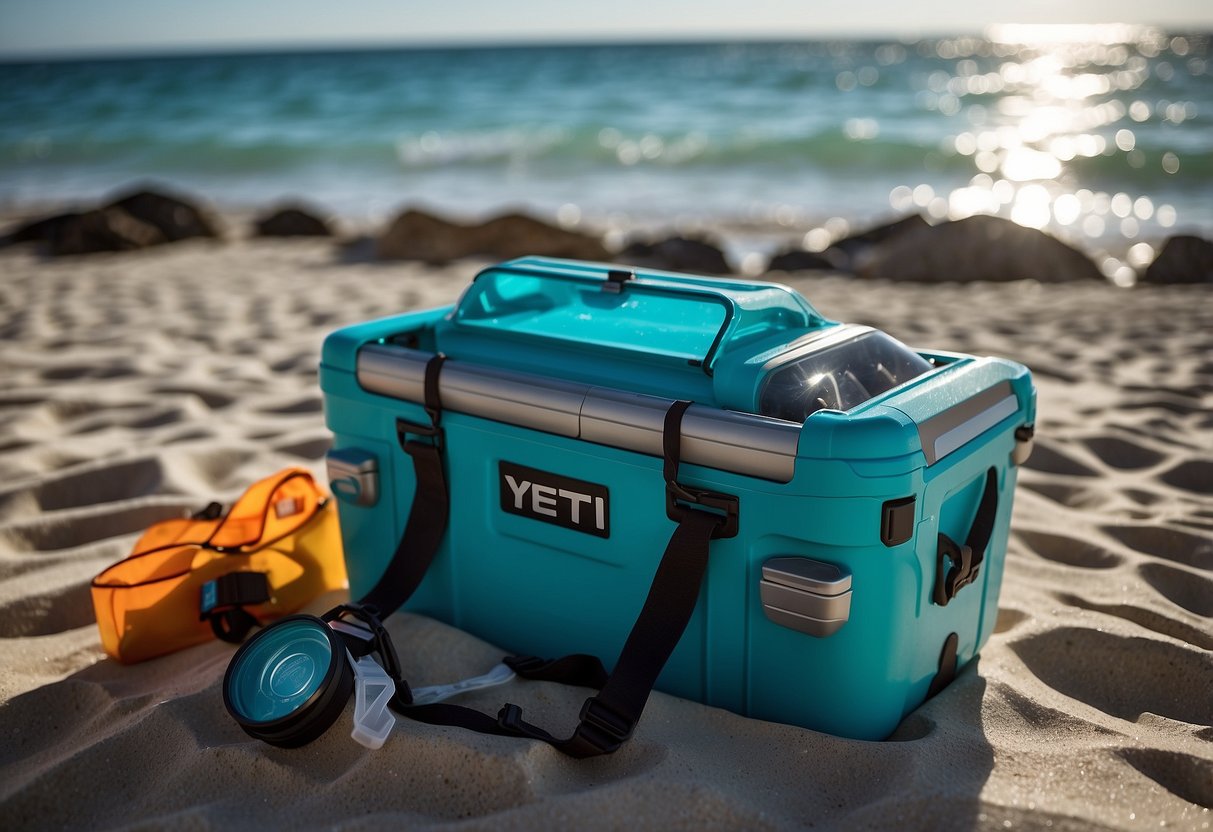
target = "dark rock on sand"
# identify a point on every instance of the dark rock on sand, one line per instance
(799, 260)
(34, 231)
(1183, 259)
(848, 254)
(107, 229)
(977, 248)
(866, 239)
(517, 235)
(176, 218)
(291, 221)
(676, 254)
(416, 235)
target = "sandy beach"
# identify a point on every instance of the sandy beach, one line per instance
(140, 386)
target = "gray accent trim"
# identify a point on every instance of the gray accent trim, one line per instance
(807, 574)
(816, 627)
(723, 439)
(949, 430)
(739, 442)
(353, 475)
(806, 595)
(521, 399)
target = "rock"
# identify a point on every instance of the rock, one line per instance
(39, 230)
(977, 248)
(176, 219)
(799, 260)
(851, 253)
(291, 221)
(880, 233)
(1183, 259)
(518, 235)
(676, 254)
(107, 229)
(416, 235)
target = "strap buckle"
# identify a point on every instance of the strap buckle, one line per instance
(404, 427)
(962, 573)
(726, 504)
(235, 589)
(602, 727)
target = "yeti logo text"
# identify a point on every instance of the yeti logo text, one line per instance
(541, 495)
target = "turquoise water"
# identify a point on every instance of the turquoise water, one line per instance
(1110, 136)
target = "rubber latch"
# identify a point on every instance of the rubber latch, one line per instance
(897, 521)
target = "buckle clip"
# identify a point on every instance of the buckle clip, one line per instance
(726, 504)
(432, 431)
(962, 573)
(603, 727)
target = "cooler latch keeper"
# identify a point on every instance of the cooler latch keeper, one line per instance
(616, 278)
(897, 521)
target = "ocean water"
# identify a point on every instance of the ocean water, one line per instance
(1096, 133)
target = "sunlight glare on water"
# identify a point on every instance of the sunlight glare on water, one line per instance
(1061, 118)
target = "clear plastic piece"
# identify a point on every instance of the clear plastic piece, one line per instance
(373, 690)
(839, 377)
(499, 675)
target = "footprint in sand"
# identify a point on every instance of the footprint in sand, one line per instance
(307, 448)
(1068, 550)
(308, 404)
(1072, 496)
(1047, 458)
(47, 613)
(1195, 475)
(1186, 589)
(213, 399)
(1122, 453)
(1124, 677)
(1146, 618)
(1188, 778)
(76, 527)
(92, 485)
(1167, 543)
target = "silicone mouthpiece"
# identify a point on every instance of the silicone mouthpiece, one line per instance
(373, 690)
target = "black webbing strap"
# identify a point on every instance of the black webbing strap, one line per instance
(608, 719)
(428, 516)
(223, 601)
(966, 559)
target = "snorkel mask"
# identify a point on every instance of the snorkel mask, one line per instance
(288, 684)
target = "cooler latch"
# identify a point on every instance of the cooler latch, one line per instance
(615, 280)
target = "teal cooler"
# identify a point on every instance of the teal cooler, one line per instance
(860, 468)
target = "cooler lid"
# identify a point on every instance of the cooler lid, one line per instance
(686, 320)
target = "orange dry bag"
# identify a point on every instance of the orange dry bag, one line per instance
(209, 575)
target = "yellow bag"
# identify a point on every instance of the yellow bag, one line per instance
(191, 579)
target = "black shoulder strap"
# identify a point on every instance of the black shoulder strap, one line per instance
(430, 512)
(966, 559)
(608, 719)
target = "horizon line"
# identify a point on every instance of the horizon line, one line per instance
(569, 41)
